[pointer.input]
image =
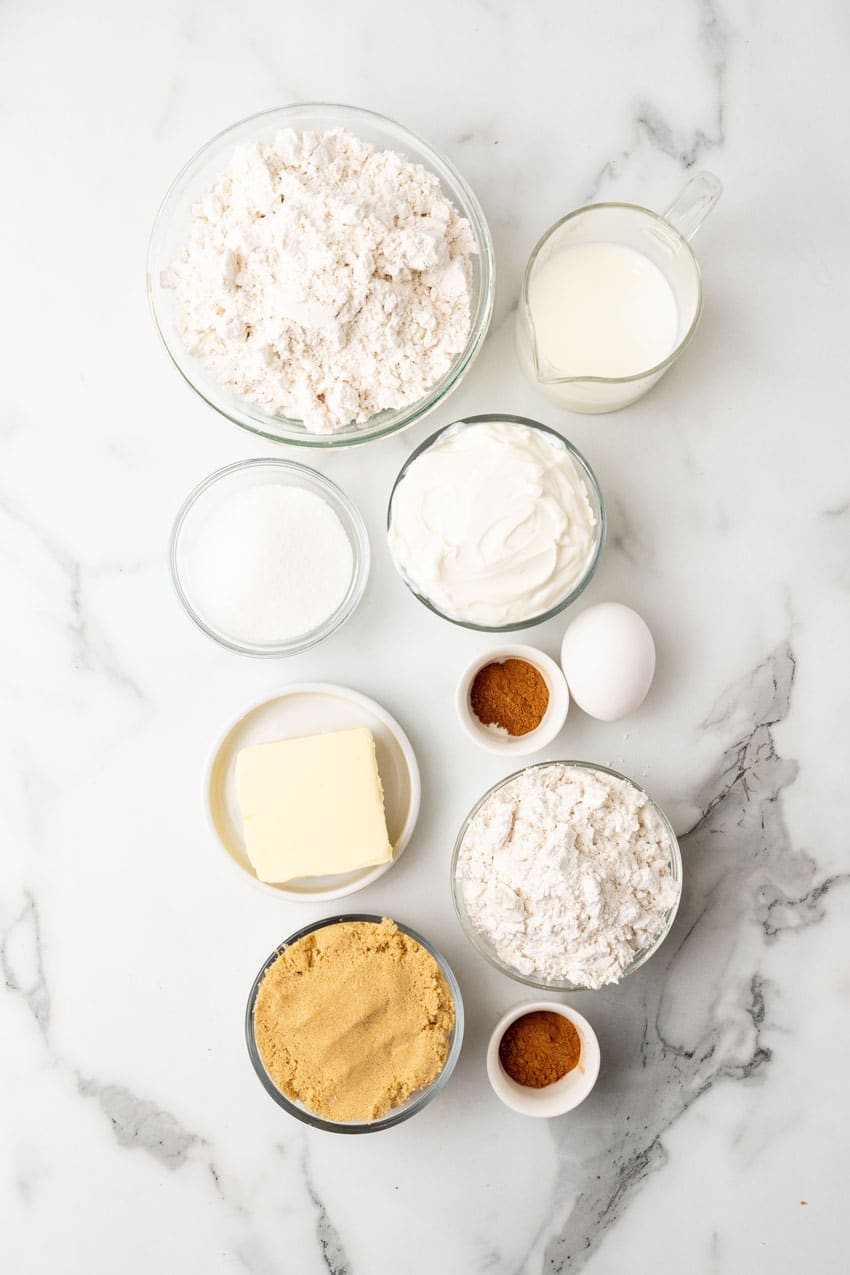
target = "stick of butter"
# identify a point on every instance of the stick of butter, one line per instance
(312, 806)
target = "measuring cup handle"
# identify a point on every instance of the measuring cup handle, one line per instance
(693, 203)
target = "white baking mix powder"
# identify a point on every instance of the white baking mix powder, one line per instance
(323, 279)
(567, 873)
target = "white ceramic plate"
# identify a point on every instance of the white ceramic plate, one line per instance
(308, 708)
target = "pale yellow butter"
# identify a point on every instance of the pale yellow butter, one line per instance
(312, 806)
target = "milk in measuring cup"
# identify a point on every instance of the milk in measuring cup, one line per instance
(601, 309)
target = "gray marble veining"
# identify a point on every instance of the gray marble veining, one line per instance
(21, 963)
(735, 857)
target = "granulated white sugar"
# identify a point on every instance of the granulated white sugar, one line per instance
(268, 564)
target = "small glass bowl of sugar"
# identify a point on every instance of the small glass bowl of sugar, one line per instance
(269, 557)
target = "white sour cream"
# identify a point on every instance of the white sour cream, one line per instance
(493, 524)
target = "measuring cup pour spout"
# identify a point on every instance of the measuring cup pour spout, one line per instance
(567, 275)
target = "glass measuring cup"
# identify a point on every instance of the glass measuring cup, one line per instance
(663, 238)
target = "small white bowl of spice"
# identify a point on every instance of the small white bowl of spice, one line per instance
(513, 699)
(543, 1059)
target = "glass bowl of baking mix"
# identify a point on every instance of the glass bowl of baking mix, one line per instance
(320, 275)
(354, 1024)
(566, 876)
(496, 523)
(269, 557)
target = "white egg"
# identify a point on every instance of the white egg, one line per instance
(608, 658)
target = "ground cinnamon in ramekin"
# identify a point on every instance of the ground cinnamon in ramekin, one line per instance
(510, 693)
(539, 1048)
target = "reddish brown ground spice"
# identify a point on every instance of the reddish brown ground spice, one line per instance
(539, 1048)
(510, 693)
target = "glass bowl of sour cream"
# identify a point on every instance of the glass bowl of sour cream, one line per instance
(496, 523)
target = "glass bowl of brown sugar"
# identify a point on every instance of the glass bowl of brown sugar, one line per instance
(360, 946)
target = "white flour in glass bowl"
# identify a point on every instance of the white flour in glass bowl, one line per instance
(323, 279)
(567, 872)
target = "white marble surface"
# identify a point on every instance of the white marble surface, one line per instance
(134, 1136)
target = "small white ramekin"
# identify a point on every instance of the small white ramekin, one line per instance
(555, 1099)
(496, 741)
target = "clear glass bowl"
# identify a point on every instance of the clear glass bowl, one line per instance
(170, 232)
(594, 495)
(417, 1100)
(237, 477)
(482, 944)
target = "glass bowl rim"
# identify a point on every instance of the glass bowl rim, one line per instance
(483, 299)
(337, 500)
(563, 986)
(586, 471)
(525, 307)
(415, 1103)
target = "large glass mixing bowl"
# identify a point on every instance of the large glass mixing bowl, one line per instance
(171, 229)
